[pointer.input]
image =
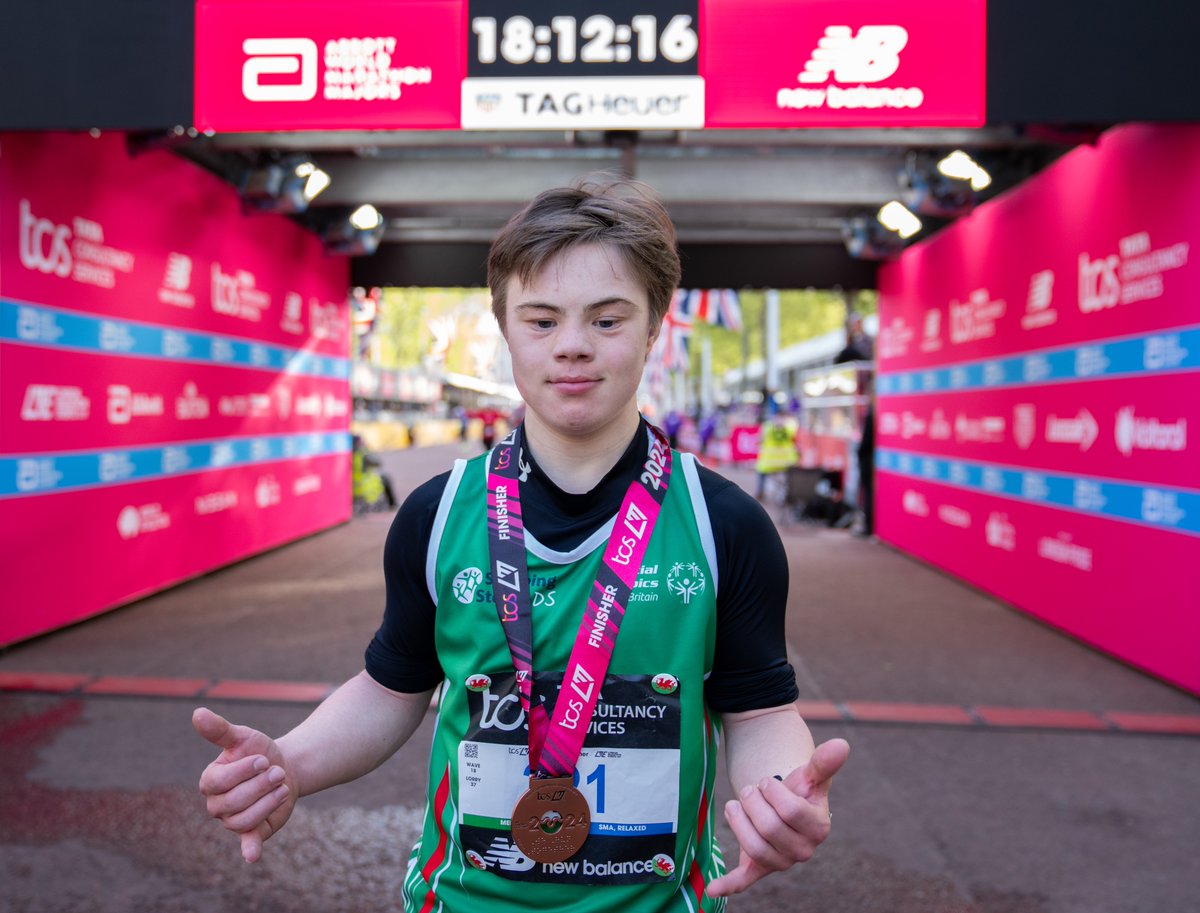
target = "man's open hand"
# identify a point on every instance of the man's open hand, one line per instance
(248, 787)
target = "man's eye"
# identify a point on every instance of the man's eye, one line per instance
(543, 323)
(607, 323)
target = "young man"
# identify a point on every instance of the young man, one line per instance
(595, 609)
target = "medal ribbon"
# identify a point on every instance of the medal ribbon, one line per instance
(554, 743)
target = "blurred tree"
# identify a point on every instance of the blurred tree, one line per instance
(803, 314)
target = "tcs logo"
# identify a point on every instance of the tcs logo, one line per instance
(275, 57)
(44, 245)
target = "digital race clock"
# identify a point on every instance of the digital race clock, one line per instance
(551, 65)
(624, 38)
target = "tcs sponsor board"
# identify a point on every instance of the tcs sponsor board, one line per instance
(1039, 398)
(174, 391)
(623, 64)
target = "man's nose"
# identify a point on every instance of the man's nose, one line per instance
(573, 341)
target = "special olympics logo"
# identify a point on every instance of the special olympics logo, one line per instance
(466, 582)
(686, 581)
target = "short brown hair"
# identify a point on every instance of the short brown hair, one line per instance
(624, 215)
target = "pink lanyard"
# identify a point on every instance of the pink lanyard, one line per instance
(554, 744)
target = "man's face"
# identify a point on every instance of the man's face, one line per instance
(579, 334)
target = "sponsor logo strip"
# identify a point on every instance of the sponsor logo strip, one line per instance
(1176, 350)
(35, 474)
(1171, 509)
(59, 329)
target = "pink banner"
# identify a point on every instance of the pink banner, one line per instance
(1038, 395)
(267, 65)
(1135, 428)
(1097, 247)
(84, 226)
(843, 63)
(58, 401)
(1125, 592)
(175, 388)
(85, 551)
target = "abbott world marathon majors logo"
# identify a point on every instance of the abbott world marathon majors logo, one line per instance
(136, 521)
(855, 62)
(345, 69)
(126, 404)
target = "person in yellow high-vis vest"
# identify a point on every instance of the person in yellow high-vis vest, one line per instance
(776, 448)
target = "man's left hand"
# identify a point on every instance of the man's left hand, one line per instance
(781, 822)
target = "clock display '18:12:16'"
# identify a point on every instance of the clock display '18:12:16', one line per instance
(598, 39)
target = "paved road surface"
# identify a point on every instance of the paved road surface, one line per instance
(996, 766)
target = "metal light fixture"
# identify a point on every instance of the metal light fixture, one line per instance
(961, 166)
(366, 217)
(356, 235)
(866, 239)
(895, 217)
(926, 190)
(284, 185)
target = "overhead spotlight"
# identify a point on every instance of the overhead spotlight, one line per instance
(895, 217)
(924, 189)
(366, 217)
(866, 239)
(315, 180)
(961, 166)
(285, 185)
(356, 235)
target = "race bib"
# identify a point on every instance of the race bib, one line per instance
(628, 771)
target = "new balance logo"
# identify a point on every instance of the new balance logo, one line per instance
(870, 56)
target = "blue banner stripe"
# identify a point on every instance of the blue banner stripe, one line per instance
(54, 328)
(38, 474)
(1173, 509)
(1148, 353)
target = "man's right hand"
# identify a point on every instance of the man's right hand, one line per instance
(248, 787)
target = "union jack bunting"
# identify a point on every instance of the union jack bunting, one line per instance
(717, 306)
(675, 336)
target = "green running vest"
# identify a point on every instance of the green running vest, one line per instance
(648, 763)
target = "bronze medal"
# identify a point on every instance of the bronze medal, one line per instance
(550, 822)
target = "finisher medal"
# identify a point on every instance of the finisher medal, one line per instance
(550, 822)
